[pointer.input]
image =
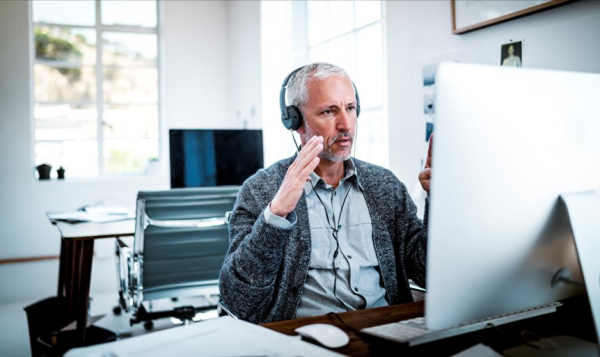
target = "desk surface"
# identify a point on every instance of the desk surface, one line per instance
(572, 319)
(356, 320)
(85, 231)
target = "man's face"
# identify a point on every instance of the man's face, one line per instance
(511, 50)
(331, 113)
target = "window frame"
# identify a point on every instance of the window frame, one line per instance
(99, 102)
(365, 110)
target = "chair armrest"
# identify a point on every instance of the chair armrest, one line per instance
(223, 311)
(418, 293)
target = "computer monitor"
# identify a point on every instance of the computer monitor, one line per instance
(508, 143)
(206, 157)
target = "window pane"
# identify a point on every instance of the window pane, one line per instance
(78, 158)
(341, 17)
(81, 12)
(318, 22)
(65, 122)
(137, 85)
(367, 12)
(369, 78)
(123, 49)
(60, 44)
(64, 84)
(343, 53)
(131, 122)
(130, 13)
(372, 139)
(129, 156)
(319, 53)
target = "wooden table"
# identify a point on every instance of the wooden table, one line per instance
(573, 319)
(357, 320)
(76, 253)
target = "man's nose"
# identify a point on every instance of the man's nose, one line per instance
(344, 121)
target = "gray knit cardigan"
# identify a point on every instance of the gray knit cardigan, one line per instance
(263, 275)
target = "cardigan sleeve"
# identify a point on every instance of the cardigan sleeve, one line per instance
(249, 272)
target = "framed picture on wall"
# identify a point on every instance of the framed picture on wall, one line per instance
(469, 15)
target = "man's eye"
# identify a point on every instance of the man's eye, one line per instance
(351, 108)
(327, 112)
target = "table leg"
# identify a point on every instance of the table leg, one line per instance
(72, 278)
(86, 254)
(62, 270)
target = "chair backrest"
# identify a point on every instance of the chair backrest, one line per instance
(181, 239)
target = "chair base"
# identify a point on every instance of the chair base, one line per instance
(182, 313)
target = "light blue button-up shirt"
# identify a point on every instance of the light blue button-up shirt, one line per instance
(359, 283)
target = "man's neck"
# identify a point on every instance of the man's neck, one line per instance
(331, 172)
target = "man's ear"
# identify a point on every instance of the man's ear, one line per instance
(301, 129)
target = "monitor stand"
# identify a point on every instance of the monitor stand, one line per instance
(584, 214)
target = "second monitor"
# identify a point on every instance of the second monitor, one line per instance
(206, 157)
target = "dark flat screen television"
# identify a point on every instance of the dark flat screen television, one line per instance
(206, 158)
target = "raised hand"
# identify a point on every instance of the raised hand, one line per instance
(297, 174)
(425, 175)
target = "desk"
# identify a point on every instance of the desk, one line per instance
(573, 319)
(358, 320)
(75, 273)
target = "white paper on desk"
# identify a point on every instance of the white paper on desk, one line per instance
(94, 214)
(221, 337)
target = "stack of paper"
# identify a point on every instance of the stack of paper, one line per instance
(222, 337)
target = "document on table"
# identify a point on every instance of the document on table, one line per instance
(97, 214)
(221, 337)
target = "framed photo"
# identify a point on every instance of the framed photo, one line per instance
(469, 15)
(512, 54)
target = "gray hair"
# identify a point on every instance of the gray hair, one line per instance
(297, 88)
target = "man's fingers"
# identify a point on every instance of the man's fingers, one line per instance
(309, 168)
(310, 153)
(430, 150)
(301, 155)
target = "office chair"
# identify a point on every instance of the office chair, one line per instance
(181, 238)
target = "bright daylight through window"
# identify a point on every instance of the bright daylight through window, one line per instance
(96, 86)
(350, 35)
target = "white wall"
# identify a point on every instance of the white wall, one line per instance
(419, 32)
(196, 47)
(195, 87)
(244, 106)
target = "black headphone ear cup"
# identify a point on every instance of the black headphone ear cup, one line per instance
(357, 109)
(294, 118)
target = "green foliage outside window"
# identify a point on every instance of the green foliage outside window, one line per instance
(57, 49)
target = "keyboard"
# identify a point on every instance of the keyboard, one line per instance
(414, 332)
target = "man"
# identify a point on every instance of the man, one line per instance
(320, 232)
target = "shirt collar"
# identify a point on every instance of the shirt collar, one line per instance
(351, 174)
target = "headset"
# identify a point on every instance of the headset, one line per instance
(291, 116)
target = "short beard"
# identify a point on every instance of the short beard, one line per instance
(328, 153)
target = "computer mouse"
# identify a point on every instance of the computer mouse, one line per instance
(328, 335)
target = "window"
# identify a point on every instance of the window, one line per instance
(350, 34)
(96, 102)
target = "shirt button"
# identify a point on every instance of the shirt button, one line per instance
(334, 193)
(349, 257)
(356, 289)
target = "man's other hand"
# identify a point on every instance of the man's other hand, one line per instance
(297, 174)
(425, 175)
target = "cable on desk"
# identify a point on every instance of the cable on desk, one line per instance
(357, 332)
